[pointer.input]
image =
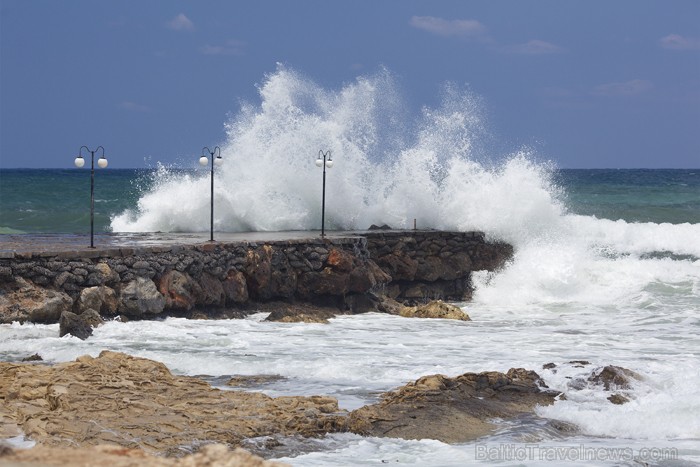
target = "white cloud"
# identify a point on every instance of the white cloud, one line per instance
(181, 23)
(534, 47)
(231, 47)
(133, 107)
(447, 27)
(678, 42)
(628, 88)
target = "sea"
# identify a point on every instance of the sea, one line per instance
(606, 271)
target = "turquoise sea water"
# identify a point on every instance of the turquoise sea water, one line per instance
(58, 201)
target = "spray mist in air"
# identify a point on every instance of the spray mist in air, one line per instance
(390, 167)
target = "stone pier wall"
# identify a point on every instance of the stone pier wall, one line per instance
(145, 282)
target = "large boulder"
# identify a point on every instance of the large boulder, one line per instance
(100, 298)
(452, 410)
(75, 325)
(212, 291)
(235, 287)
(103, 274)
(140, 299)
(258, 271)
(399, 266)
(179, 289)
(22, 301)
(269, 274)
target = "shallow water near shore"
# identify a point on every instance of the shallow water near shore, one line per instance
(354, 358)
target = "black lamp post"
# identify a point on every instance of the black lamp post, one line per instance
(322, 162)
(102, 163)
(204, 160)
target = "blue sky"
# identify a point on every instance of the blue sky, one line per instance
(587, 84)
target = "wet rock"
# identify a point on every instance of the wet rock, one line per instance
(615, 377)
(140, 298)
(300, 314)
(117, 456)
(75, 325)
(92, 318)
(246, 381)
(579, 363)
(33, 358)
(452, 410)
(618, 399)
(389, 305)
(22, 301)
(436, 309)
(360, 303)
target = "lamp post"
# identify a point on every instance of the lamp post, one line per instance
(204, 160)
(321, 161)
(102, 163)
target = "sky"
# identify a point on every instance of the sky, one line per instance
(586, 84)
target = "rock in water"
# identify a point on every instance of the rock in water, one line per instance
(452, 410)
(615, 377)
(436, 309)
(75, 325)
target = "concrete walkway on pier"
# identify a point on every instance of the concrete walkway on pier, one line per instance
(13, 245)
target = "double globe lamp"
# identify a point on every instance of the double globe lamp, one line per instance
(102, 163)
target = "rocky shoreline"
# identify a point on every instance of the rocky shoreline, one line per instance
(139, 405)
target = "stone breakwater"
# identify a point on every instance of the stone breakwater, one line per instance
(346, 272)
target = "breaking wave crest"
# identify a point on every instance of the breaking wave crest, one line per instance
(389, 168)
